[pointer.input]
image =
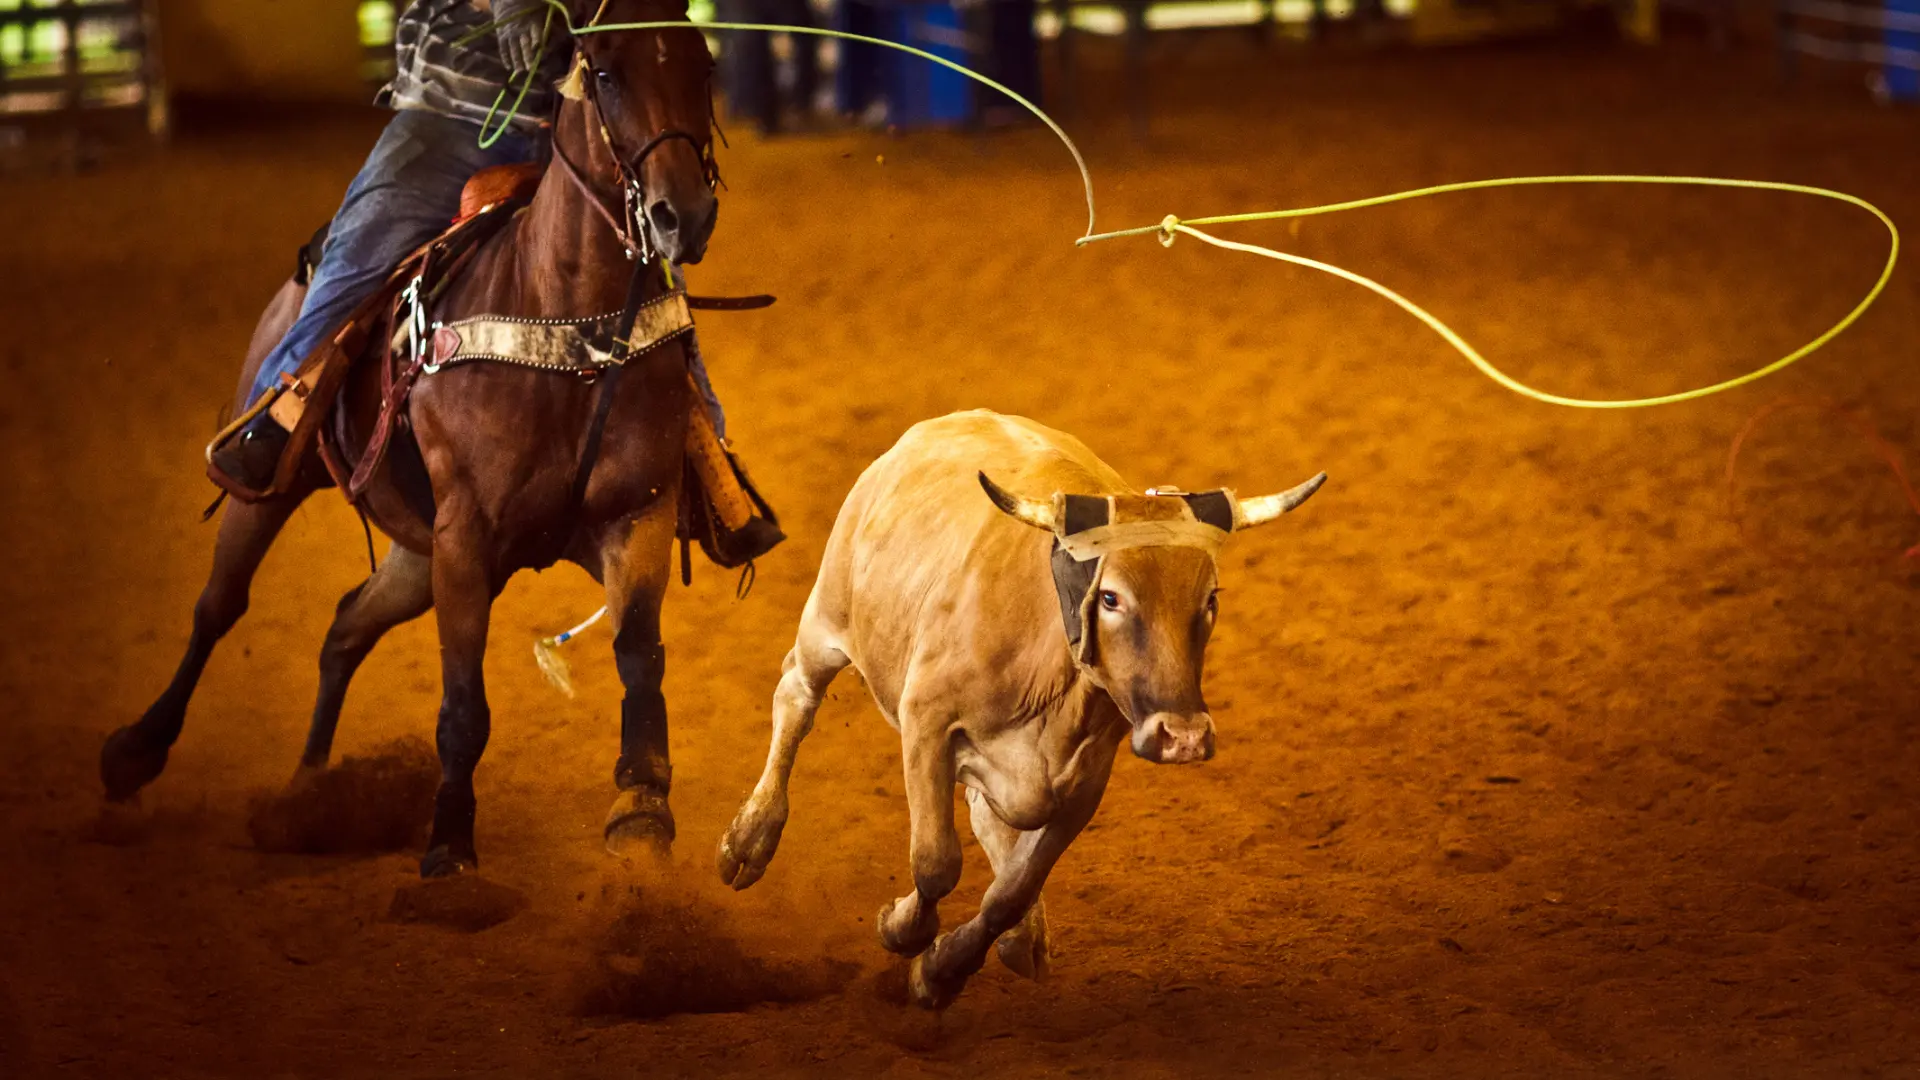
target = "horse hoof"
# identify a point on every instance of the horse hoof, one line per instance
(441, 862)
(909, 941)
(128, 763)
(924, 992)
(640, 824)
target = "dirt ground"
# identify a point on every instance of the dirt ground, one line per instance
(1529, 764)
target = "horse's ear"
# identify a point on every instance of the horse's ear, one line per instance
(574, 86)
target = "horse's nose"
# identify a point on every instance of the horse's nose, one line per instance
(665, 222)
(682, 232)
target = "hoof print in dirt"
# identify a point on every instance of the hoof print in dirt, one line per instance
(465, 903)
(666, 955)
(1462, 852)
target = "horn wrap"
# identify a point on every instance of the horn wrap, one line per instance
(1038, 514)
(1264, 508)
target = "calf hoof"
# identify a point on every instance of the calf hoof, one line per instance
(1024, 951)
(129, 762)
(910, 939)
(926, 992)
(639, 824)
(750, 843)
(443, 862)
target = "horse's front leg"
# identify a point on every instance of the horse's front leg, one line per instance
(464, 585)
(636, 557)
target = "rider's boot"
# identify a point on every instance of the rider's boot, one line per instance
(742, 541)
(742, 526)
(244, 462)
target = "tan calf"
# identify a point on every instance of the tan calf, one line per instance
(963, 606)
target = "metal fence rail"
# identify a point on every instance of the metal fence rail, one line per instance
(80, 56)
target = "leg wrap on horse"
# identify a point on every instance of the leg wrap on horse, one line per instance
(643, 742)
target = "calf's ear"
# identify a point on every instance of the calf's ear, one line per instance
(1032, 511)
(1264, 508)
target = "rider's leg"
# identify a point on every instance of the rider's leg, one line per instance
(406, 194)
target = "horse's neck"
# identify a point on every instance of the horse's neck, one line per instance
(567, 260)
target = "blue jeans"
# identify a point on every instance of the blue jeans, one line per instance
(405, 195)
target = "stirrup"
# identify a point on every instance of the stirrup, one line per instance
(230, 484)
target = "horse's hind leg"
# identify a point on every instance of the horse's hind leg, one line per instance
(399, 590)
(134, 755)
(634, 565)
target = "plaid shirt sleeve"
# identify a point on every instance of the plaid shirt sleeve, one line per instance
(433, 72)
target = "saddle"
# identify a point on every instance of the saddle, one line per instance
(304, 400)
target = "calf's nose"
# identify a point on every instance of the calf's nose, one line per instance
(1174, 739)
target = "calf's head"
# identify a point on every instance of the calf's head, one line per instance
(1137, 582)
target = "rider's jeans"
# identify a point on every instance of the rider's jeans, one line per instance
(407, 193)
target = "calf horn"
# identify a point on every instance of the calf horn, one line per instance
(1033, 512)
(1264, 508)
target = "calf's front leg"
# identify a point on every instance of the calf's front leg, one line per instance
(753, 837)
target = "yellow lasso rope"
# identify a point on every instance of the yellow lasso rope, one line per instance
(1171, 226)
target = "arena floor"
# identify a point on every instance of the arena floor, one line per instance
(1529, 764)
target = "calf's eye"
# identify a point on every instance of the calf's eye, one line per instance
(1109, 599)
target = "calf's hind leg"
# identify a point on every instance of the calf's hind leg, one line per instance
(399, 590)
(754, 835)
(1023, 948)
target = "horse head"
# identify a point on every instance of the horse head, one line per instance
(652, 93)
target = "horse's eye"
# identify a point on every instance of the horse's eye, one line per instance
(1109, 599)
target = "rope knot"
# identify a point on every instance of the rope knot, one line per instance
(1167, 225)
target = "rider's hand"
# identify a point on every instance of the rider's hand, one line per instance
(520, 38)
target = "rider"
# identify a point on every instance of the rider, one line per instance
(447, 79)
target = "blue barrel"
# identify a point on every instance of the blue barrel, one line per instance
(921, 93)
(1903, 79)
(917, 92)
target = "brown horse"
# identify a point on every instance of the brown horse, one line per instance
(514, 481)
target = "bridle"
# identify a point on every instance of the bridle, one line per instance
(631, 226)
